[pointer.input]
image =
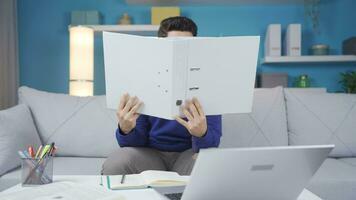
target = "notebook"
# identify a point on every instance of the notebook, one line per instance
(146, 179)
(164, 72)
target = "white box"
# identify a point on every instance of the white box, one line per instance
(164, 72)
(293, 40)
(273, 46)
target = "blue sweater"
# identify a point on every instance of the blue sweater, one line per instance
(169, 135)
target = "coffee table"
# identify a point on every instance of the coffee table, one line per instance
(71, 187)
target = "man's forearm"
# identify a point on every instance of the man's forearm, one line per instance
(212, 136)
(131, 139)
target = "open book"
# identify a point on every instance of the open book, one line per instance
(164, 72)
(150, 178)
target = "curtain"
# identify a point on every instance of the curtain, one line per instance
(8, 53)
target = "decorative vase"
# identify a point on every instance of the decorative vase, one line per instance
(125, 19)
(303, 81)
(320, 50)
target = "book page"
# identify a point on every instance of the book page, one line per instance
(130, 182)
(163, 178)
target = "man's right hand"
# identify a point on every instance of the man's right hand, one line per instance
(127, 112)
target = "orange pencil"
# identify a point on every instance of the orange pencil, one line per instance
(31, 151)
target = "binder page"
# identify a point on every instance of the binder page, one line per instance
(221, 73)
(140, 66)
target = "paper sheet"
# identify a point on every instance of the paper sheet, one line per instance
(62, 191)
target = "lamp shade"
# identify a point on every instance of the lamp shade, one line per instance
(81, 61)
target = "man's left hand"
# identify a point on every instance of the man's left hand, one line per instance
(196, 124)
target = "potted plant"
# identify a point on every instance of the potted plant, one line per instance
(312, 11)
(348, 81)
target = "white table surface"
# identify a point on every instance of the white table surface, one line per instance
(93, 182)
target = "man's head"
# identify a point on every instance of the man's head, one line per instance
(177, 26)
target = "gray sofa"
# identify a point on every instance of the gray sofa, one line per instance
(83, 129)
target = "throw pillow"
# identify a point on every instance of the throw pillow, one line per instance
(17, 131)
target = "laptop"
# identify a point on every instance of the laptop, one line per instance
(269, 173)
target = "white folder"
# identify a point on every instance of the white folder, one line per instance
(273, 41)
(164, 72)
(293, 40)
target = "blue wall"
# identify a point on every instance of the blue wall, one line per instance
(44, 39)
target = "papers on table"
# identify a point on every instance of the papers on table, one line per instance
(62, 191)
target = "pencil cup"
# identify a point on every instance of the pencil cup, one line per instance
(37, 171)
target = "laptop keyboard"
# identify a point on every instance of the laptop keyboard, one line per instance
(174, 196)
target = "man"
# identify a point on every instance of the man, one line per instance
(151, 143)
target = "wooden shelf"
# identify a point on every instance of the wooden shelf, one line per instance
(137, 29)
(309, 59)
(125, 28)
(210, 2)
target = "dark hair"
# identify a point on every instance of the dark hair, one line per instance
(177, 24)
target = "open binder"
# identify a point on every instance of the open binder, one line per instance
(164, 72)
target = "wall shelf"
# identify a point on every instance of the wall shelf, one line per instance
(309, 59)
(138, 29)
(210, 2)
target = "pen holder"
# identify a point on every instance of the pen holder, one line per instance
(37, 171)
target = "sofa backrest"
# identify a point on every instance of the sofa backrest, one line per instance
(83, 126)
(266, 125)
(80, 126)
(322, 118)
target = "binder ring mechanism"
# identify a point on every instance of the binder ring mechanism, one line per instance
(194, 88)
(194, 69)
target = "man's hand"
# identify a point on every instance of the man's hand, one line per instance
(127, 112)
(196, 124)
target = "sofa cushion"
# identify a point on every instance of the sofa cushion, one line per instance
(266, 125)
(17, 131)
(305, 90)
(323, 118)
(350, 161)
(80, 126)
(335, 180)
